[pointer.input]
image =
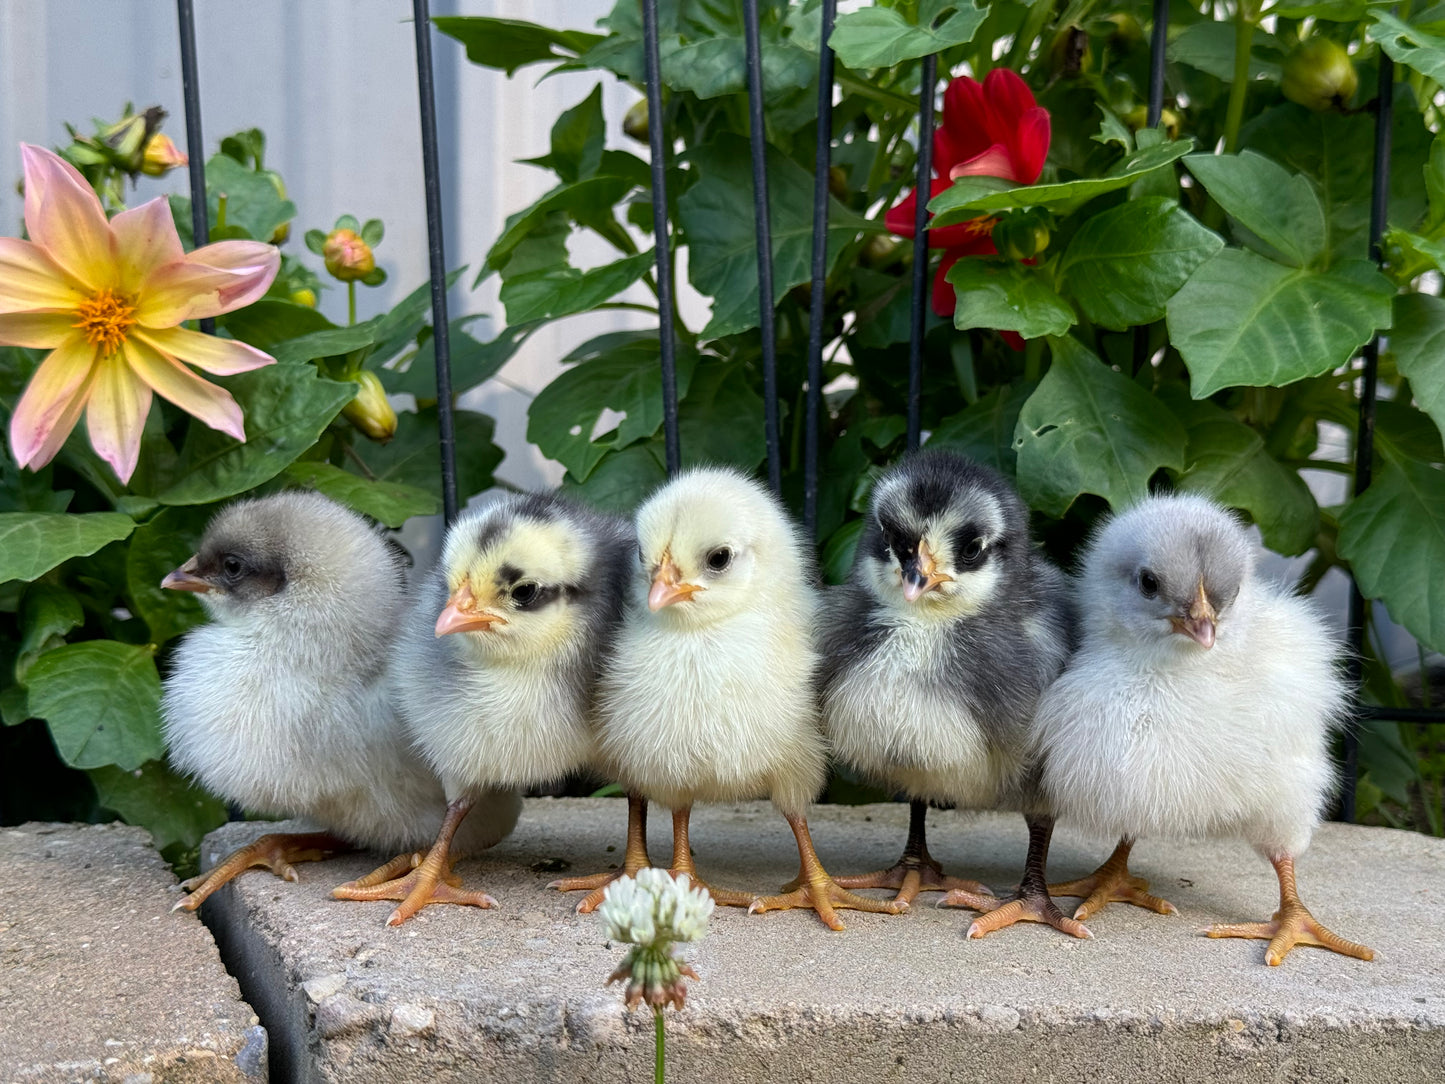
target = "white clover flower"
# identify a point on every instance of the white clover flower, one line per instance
(651, 912)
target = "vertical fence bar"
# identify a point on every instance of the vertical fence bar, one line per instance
(923, 189)
(441, 339)
(663, 251)
(1365, 436)
(758, 138)
(195, 145)
(818, 299)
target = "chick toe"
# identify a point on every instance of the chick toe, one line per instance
(275, 852)
(1112, 883)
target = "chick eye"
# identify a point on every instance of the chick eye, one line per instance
(719, 559)
(524, 593)
(1148, 583)
(971, 552)
(231, 565)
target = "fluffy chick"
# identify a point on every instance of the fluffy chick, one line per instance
(279, 706)
(1199, 704)
(936, 650)
(495, 667)
(709, 694)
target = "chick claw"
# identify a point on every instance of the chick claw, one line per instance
(420, 888)
(274, 851)
(1022, 907)
(823, 895)
(911, 875)
(1112, 883)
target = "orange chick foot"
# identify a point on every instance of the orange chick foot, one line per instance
(275, 852)
(1112, 883)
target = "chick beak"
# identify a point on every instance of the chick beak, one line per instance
(668, 586)
(462, 615)
(921, 575)
(186, 578)
(1199, 625)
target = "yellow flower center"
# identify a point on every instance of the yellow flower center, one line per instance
(105, 319)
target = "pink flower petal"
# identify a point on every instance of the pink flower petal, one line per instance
(64, 217)
(192, 290)
(146, 239)
(116, 414)
(994, 162)
(37, 330)
(173, 381)
(30, 280)
(52, 403)
(209, 352)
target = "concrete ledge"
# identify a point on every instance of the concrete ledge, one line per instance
(459, 994)
(98, 982)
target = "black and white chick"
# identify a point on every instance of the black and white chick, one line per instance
(709, 695)
(279, 704)
(495, 669)
(1199, 704)
(936, 651)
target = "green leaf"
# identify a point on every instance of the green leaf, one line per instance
(1245, 320)
(1338, 11)
(389, 503)
(577, 140)
(1418, 342)
(1007, 296)
(879, 37)
(162, 544)
(1124, 264)
(838, 553)
(271, 321)
(1227, 460)
(1393, 535)
(970, 195)
(627, 379)
(720, 420)
(170, 807)
(372, 231)
(411, 458)
(252, 200)
(561, 291)
(49, 612)
(286, 406)
(1278, 207)
(1088, 429)
(985, 430)
(473, 362)
(621, 478)
(102, 701)
(32, 543)
(330, 342)
(588, 201)
(713, 66)
(1409, 45)
(509, 44)
(1209, 46)
(716, 216)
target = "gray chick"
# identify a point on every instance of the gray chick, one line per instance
(496, 664)
(1199, 705)
(279, 704)
(936, 650)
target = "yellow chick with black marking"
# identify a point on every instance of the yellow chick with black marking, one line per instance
(709, 695)
(495, 669)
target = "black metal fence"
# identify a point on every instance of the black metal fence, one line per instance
(660, 151)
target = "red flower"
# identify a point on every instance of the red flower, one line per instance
(989, 129)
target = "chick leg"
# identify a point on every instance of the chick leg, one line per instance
(1030, 902)
(916, 871)
(274, 852)
(817, 889)
(1112, 883)
(682, 863)
(634, 859)
(1292, 924)
(430, 882)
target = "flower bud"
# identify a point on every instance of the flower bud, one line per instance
(347, 256)
(161, 156)
(634, 121)
(878, 251)
(127, 140)
(1020, 237)
(1138, 117)
(369, 411)
(838, 182)
(1318, 75)
(305, 297)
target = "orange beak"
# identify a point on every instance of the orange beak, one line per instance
(185, 579)
(921, 575)
(668, 586)
(462, 615)
(1199, 625)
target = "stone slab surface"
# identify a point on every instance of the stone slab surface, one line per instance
(460, 994)
(98, 981)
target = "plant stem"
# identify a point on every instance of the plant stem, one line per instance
(659, 1075)
(1239, 88)
(351, 303)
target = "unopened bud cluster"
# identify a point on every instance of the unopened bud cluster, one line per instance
(347, 256)
(652, 912)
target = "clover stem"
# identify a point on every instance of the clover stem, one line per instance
(350, 303)
(660, 1061)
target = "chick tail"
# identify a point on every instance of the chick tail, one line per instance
(275, 852)
(816, 889)
(634, 859)
(1112, 883)
(1292, 924)
(916, 871)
